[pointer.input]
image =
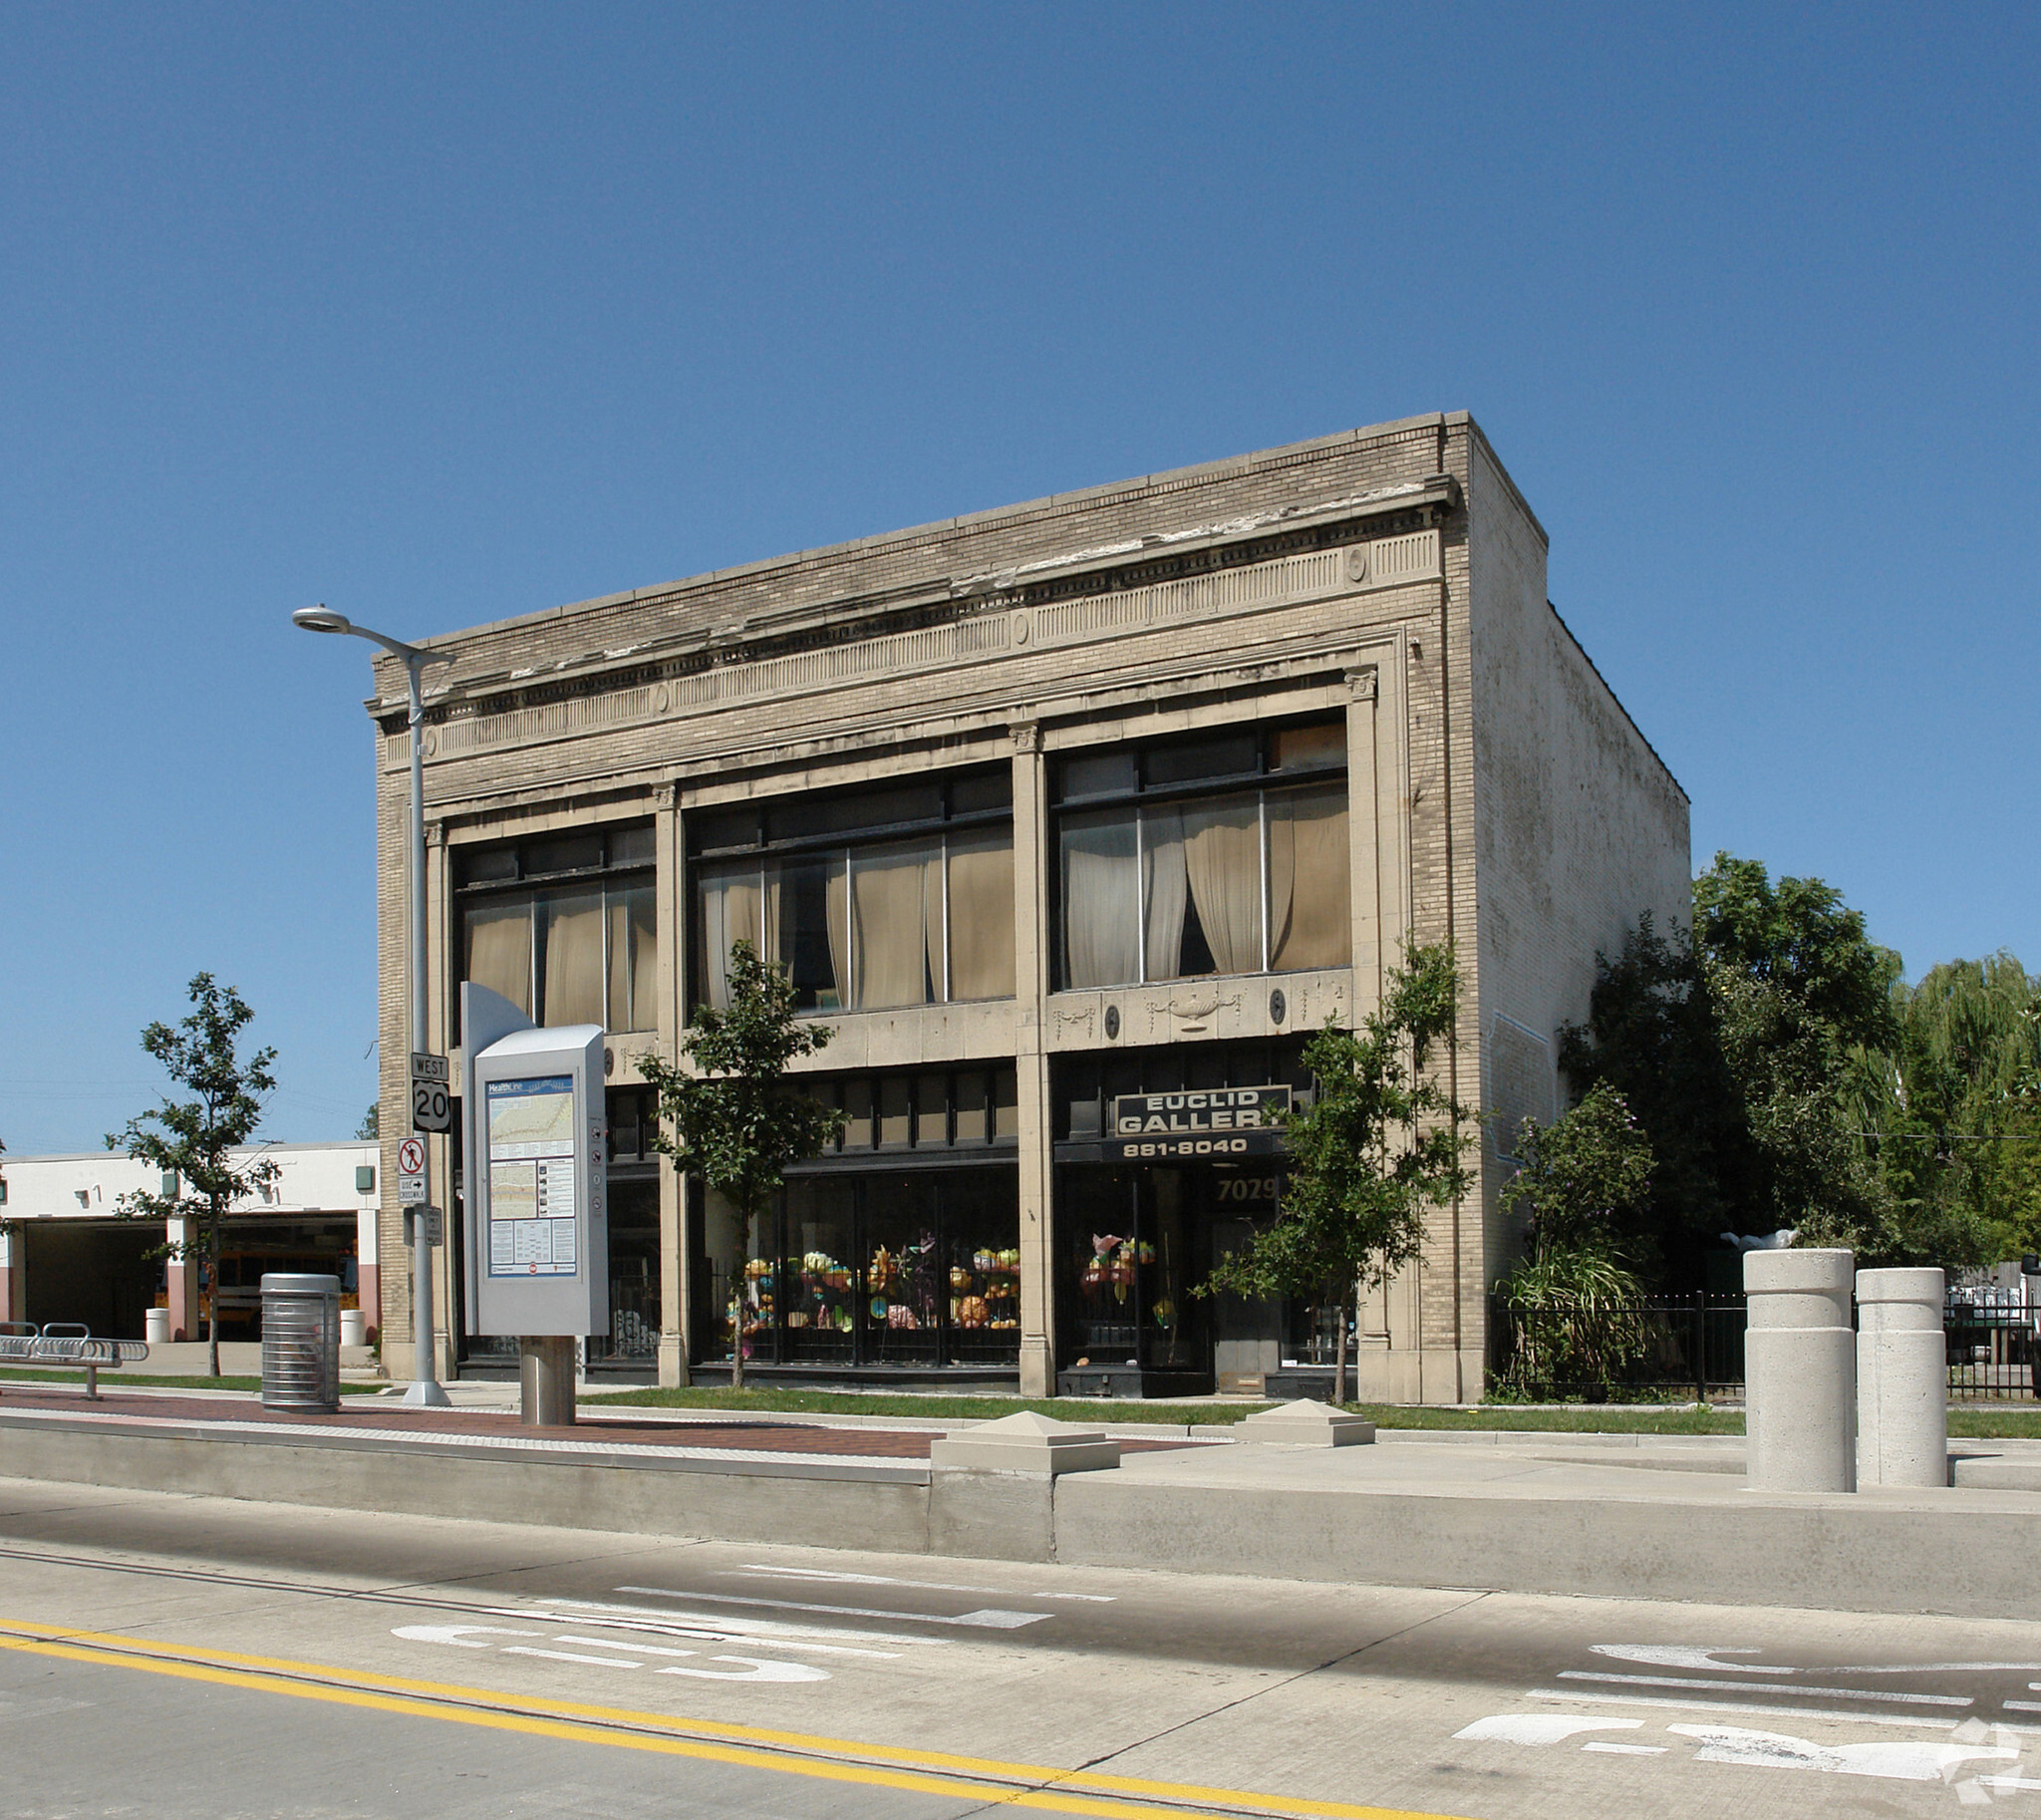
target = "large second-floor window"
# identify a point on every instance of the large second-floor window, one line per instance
(871, 901)
(1224, 855)
(564, 926)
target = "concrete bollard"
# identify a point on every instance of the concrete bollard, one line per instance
(1903, 1379)
(1800, 1372)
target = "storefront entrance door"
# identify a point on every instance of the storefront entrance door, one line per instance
(1247, 1332)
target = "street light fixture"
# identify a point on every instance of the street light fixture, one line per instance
(425, 1389)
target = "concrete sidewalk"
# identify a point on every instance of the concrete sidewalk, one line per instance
(1619, 1516)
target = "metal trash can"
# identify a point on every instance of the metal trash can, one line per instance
(300, 1341)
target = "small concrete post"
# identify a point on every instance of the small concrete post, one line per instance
(545, 1390)
(1800, 1372)
(1903, 1379)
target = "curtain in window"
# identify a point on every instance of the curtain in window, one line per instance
(935, 936)
(807, 892)
(1222, 848)
(1102, 916)
(982, 915)
(571, 975)
(730, 913)
(887, 925)
(499, 951)
(1164, 892)
(634, 961)
(839, 933)
(1310, 920)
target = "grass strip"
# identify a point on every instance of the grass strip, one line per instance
(1587, 1419)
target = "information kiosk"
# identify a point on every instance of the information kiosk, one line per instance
(537, 1142)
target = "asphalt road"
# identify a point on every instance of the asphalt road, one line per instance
(169, 1657)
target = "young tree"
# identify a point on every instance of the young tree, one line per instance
(372, 1121)
(732, 1118)
(1378, 1149)
(192, 1141)
(1573, 1298)
(1580, 1174)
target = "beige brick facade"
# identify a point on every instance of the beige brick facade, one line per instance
(1391, 579)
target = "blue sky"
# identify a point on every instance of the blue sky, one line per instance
(440, 314)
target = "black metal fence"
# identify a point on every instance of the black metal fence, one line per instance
(1990, 1331)
(1691, 1348)
(1688, 1347)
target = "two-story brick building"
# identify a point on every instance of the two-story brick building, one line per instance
(1072, 820)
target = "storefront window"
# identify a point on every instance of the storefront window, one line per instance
(872, 1268)
(1132, 1245)
(634, 1275)
(820, 1302)
(903, 1289)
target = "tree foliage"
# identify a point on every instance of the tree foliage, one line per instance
(1380, 1146)
(192, 1142)
(1582, 1176)
(729, 1115)
(1953, 1109)
(1574, 1301)
(1763, 1055)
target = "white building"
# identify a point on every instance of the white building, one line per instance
(68, 1255)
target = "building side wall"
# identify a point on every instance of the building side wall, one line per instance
(1579, 829)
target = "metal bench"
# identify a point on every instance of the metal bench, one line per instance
(66, 1346)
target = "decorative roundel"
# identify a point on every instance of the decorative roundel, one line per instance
(1018, 628)
(1112, 1021)
(1356, 562)
(430, 744)
(662, 699)
(1278, 1007)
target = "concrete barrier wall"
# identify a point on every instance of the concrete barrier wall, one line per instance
(1959, 1554)
(810, 1513)
(1858, 1557)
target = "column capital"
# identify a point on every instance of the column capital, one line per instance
(1026, 735)
(1363, 681)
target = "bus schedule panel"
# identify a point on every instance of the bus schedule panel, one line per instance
(531, 1176)
(536, 1226)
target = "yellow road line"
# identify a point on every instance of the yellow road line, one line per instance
(750, 1747)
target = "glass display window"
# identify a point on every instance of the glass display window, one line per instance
(982, 1269)
(902, 1309)
(818, 1304)
(634, 1275)
(1132, 1245)
(741, 1276)
(867, 1268)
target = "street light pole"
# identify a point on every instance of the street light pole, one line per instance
(425, 1389)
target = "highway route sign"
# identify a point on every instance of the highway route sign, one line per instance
(431, 1110)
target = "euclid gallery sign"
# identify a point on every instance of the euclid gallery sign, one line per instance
(1224, 1121)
